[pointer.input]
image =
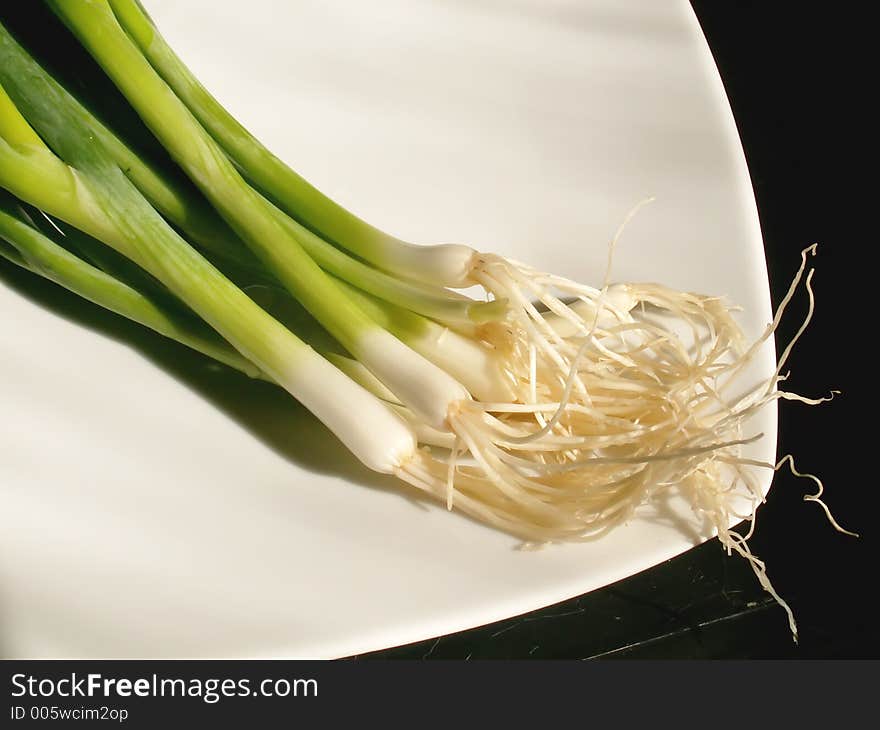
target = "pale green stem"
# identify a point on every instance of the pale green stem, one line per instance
(436, 265)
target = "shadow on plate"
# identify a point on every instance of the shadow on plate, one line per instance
(264, 410)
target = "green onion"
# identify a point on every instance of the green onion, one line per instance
(447, 264)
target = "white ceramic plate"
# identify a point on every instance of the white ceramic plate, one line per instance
(152, 507)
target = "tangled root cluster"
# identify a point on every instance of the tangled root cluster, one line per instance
(623, 392)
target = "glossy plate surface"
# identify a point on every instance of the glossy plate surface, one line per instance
(155, 507)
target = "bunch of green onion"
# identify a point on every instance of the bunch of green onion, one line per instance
(547, 408)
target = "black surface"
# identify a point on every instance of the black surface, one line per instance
(788, 76)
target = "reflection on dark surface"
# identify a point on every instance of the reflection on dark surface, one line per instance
(702, 605)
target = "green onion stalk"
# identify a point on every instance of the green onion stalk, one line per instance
(447, 264)
(31, 249)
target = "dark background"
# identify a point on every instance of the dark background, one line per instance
(790, 71)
